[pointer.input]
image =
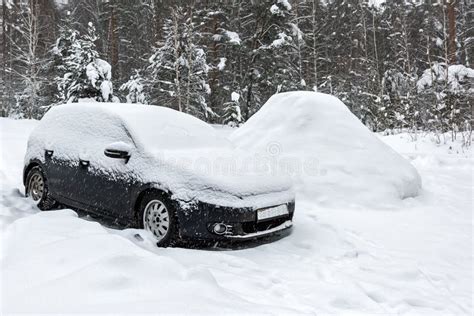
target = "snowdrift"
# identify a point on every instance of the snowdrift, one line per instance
(333, 156)
(57, 263)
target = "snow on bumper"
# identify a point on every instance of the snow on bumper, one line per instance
(286, 225)
(237, 223)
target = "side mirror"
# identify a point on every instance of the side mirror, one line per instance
(118, 150)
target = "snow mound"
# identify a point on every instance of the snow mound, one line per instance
(330, 153)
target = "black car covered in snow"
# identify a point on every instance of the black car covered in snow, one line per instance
(155, 168)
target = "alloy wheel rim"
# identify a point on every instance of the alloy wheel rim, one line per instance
(36, 187)
(156, 219)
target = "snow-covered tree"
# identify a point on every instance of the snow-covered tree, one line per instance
(232, 114)
(286, 40)
(179, 67)
(219, 36)
(400, 107)
(197, 87)
(82, 73)
(450, 90)
(134, 89)
(30, 62)
(62, 51)
(99, 75)
(370, 56)
(167, 65)
(398, 101)
(268, 56)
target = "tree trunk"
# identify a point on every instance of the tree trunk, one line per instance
(214, 78)
(299, 48)
(190, 63)
(249, 99)
(113, 40)
(5, 57)
(379, 76)
(176, 57)
(158, 23)
(315, 52)
(451, 4)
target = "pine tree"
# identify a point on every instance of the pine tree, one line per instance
(134, 89)
(269, 54)
(232, 114)
(62, 51)
(179, 68)
(449, 87)
(221, 40)
(399, 100)
(287, 41)
(83, 73)
(197, 88)
(5, 57)
(166, 65)
(29, 61)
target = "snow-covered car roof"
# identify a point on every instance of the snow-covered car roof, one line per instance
(152, 127)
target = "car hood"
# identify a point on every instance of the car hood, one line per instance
(226, 177)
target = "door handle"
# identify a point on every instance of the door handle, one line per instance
(84, 163)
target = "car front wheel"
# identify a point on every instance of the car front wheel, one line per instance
(159, 218)
(37, 189)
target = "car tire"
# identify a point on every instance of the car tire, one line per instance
(36, 187)
(157, 215)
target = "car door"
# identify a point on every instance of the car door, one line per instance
(107, 192)
(62, 162)
(63, 175)
(106, 182)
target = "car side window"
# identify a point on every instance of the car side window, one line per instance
(82, 135)
(103, 134)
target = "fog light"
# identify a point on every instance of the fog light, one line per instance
(219, 229)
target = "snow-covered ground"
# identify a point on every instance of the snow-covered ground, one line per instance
(409, 257)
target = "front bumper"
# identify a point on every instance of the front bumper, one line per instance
(263, 233)
(197, 223)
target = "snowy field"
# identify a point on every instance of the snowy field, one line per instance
(413, 256)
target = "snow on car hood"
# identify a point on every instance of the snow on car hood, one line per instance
(220, 176)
